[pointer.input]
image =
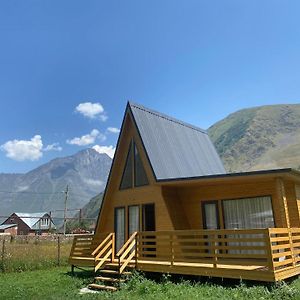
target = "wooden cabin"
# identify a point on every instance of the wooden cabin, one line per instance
(170, 207)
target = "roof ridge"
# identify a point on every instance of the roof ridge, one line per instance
(166, 117)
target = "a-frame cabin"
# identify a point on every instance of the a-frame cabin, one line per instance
(169, 206)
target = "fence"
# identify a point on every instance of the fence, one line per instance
(22, 253)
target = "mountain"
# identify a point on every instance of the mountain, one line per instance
(258, 138)
(41, 189)
(92, 208)
(89, 214)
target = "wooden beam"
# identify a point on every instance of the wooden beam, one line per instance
(284, 213)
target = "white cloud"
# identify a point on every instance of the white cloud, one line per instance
(87, 139)
(113, 129)
(53, 147)
(109, 150)
(21, 150)
(93, 182)
(92, 110)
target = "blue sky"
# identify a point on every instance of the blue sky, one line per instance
(194, 60)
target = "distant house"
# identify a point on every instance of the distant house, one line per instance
(10, 229)
(31, 223)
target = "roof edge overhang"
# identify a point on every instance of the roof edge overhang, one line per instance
(288, 173)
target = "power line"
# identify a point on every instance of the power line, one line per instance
(60, 218)
(24, 192)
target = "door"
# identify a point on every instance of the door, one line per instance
(148, 224)
(119, 227)
(148, 217)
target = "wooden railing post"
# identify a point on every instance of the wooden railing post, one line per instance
(269, 251)
(291, 246)
(215, 252)
(171, 249)
(136, 250)
(113, 247)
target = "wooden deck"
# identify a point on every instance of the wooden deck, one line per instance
(259, 254)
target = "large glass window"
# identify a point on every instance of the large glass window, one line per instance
(133, 219)
(119, 227)
(140, 177)
(248, 213)
(127, 178)
(133, 170)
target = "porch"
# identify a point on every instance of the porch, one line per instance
(270, 254)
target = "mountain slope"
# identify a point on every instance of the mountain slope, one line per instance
(41, 189)
(263, 137)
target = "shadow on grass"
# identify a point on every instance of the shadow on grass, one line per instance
(81, 273)
(224, 282)
(160, 278)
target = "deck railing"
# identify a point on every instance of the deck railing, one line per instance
(274, 251)
(241, 247)
(105, 251)
(127, 253)
(82, 245)
(269, 254)
(285, 251)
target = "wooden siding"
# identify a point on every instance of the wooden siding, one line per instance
(192, 197)
(292, 203)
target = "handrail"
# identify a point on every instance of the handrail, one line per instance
(102, 243)
(128, 250)
(126, 244)
(105, 250)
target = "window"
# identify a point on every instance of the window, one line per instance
(45, 222)
(133, 219)
(140, 177)
(120, 227)
(134, 171)
(126, 182)
(248, 213)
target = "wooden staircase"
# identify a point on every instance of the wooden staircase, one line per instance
(112, 273)
(109, 278)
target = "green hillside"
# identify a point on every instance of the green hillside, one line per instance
(257, 138)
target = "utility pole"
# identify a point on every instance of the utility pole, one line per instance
(80, 216)
(65, 209)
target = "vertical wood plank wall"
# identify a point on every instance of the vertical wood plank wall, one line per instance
(292, 203)
(191, 198)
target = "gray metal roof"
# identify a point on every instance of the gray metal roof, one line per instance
(31, 218)
(175, 149)
(5, 226)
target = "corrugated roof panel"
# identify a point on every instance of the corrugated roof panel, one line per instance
(30, 218)
(6, 226)
(175, 149)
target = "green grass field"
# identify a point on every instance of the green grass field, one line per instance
(57, 283)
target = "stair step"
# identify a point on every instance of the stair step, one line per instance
(102, 287)
(109, 279)
(113, 272)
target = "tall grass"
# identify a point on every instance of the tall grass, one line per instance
(32, 253)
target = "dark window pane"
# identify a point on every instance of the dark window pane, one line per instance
(126, 182)
(140, 174)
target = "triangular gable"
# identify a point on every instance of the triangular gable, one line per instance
(128, 136)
